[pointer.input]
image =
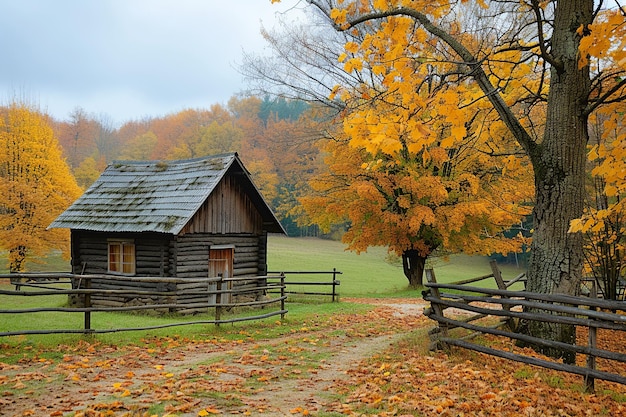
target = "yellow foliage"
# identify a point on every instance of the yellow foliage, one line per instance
(353, 64)
(604, 39)
(416, 165)
(609, 158)
(339, 15)
(352, 47)
(36, 185)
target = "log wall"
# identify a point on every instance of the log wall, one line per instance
(153, 256)
(161, 255)
(192, 254)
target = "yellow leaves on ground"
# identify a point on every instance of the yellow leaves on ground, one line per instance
(467, 384)
(208, 411)
(215, 376)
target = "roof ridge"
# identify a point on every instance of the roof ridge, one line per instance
(173, 161)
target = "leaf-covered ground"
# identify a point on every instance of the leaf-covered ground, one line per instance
(372, 363)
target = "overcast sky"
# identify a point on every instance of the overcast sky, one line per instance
(129, 58)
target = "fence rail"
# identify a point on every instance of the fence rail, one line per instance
(333, 283)
(206, 294)
(464, 307)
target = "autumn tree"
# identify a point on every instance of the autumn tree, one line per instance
(410, 159)
(254, 147)
(545, 36)
(88, 172)
(77, 136)
(35, 183)
(136, 137)
(296, 159)
(303, 65)
(420, 180)
(140, 148)
(87, 136)
(106, 139)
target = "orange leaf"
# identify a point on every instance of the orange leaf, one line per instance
(488, 396)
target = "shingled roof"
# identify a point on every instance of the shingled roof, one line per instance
(157, 196)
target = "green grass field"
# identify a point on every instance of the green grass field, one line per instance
(369, 274)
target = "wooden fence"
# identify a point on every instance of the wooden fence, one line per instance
(294, 284)
(465, 307)
(176, 295)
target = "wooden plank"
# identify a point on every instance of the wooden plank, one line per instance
(547, 298)
(539, 362)
(616, 356)
(245, 271)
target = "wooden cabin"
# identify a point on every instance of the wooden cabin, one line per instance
(201, 217)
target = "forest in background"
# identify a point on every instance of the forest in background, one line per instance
(275, 139)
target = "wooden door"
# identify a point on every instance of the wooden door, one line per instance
(221, 265)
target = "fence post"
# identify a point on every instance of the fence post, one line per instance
(436, 308)
(282, 295)
(335, 295)
(497, 275)
(591, 360)
(87, 305)
(502, 286)
(218, 300)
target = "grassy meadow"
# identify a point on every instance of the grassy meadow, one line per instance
(374, 273)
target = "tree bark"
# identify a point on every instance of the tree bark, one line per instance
(413, 264)
(559, 166)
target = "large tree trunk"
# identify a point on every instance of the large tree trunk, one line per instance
(559, 163)
(413, 264)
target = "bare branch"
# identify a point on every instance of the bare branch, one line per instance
(604, 98)
(542, 42)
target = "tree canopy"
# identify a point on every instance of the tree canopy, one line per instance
(421, 177)
(35, 183)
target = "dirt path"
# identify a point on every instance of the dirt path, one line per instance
(314, 393)
(294, 374)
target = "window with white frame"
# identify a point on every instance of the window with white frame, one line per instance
(122, 257)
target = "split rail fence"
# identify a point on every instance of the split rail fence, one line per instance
(297, 286)
(461, 306)
(175, 295)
